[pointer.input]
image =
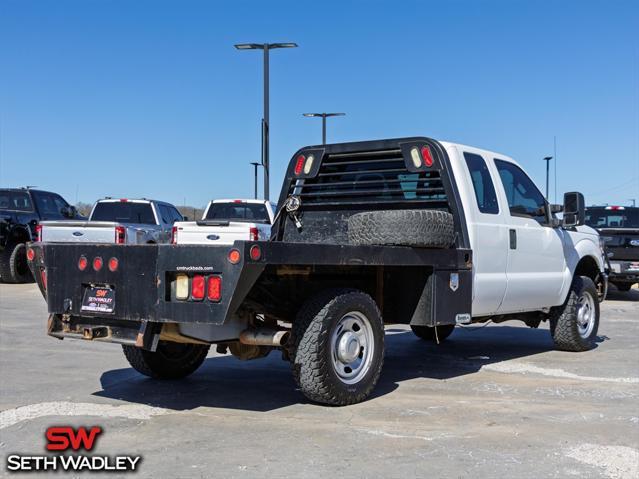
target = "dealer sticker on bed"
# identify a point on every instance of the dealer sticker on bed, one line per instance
(98, 300)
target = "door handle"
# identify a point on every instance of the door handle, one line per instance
(513, 239)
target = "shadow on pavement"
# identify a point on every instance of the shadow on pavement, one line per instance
(267, 384)
(615, 295)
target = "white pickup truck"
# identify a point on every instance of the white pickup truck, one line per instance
(226, 221)
(411, 231)
(119, 221)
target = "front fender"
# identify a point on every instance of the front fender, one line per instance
(576, 248)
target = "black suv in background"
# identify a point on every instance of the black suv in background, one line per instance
(619, 229)
(21, 209)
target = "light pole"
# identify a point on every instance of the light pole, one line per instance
(323, 116)
(266, 47)
(547, 160)
(255, 165)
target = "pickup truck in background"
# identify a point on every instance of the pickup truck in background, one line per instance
(119, 221)
(410, 231)
(21, 211)
(226, 221)
(619, 230)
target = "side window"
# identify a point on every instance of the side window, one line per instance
(524, 199)
(165, 215)
(50, 205)
(176, 215)
(482, 184)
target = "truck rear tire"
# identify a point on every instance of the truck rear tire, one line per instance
(574, 325)
(338, 341)
(169, 361)
(13, 264)
(427, 333)
(421, 228)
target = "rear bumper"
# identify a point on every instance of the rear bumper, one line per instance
(624, 271)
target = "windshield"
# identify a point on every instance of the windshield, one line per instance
(124, 212)
(241, 212)
(602, 218)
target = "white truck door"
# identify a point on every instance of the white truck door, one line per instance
(536, 263)
(488, 234)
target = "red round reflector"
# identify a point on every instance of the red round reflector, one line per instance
(234, 256)
(255, 252)
(299, 164)
(97, 263)
(197, 287)
(426, 155)
(82, 263)
(30, 254)
(113, 264)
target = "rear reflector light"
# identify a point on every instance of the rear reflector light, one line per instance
(214, 288)
(254, 234)
(97, 263)
(182, 286)
(299, 164)
(414, 155)
(174, 235)
(30, 254)
(309, 164)
(255, 252)
(38, 233)
(82, 263)
(120, 235)
(197, 287)
(113, 264)
(426, 155)
(43, 278)
(234, 256)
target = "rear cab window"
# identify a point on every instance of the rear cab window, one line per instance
(15, 201)
(124, 212)
(240, 212)
(612, 218)
(482, 184)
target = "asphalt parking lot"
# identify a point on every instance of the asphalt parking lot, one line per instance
(490, 402)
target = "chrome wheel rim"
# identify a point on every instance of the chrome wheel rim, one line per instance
(352, 347)
(586, 314)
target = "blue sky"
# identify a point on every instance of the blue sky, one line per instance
(149, 98)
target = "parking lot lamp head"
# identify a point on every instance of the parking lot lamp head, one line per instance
(323, 116)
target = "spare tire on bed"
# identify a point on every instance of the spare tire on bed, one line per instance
(422, 228)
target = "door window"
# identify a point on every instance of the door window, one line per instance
(482, 184)
(524, 199)
(50, 205)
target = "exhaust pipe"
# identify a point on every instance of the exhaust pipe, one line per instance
(264, 337)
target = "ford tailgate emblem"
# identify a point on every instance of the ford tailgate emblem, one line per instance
(78, 233)
(213, 237)
(634, 242)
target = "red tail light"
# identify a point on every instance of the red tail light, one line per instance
(427, 156)
(30, 254)
(82, 263)
(255, 252)
(120, 235)
(214, 288)
(43, 278)
(197, 287)
(97, 263)
(234, 256)
(113, 264)
(38, 233)
(299, 164)
(174, 235)
(254, 234)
